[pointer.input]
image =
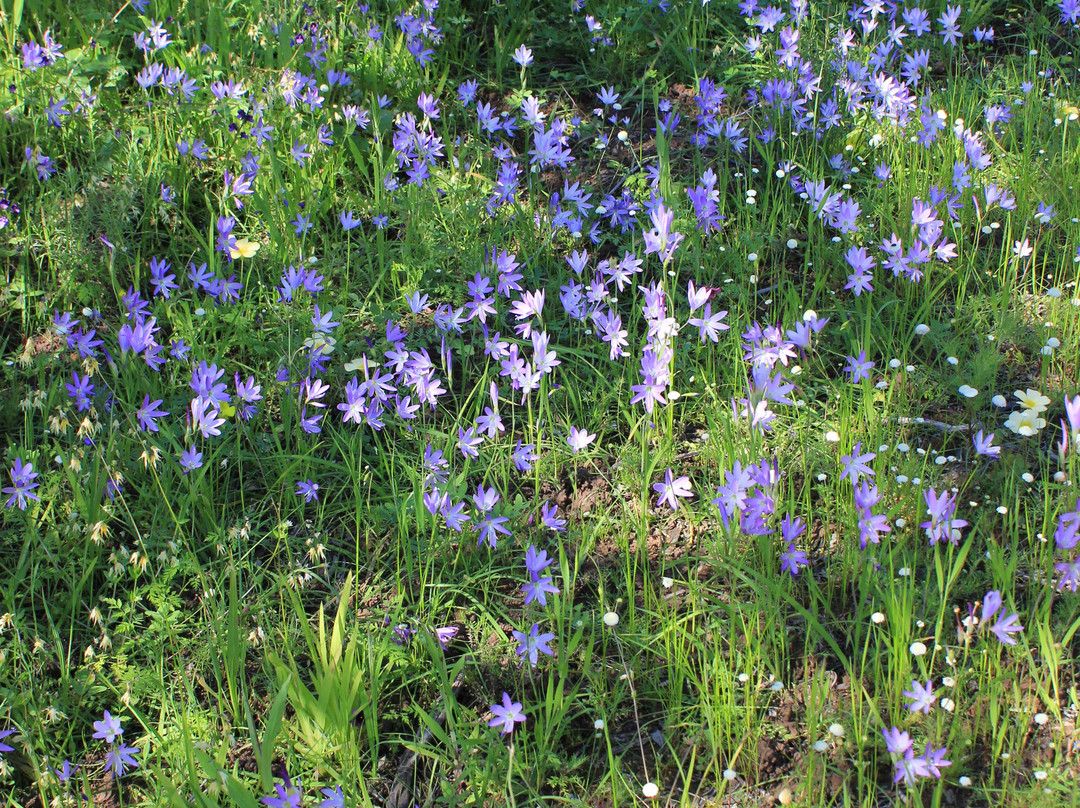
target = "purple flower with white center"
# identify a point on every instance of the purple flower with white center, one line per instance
(469, 442)
(533, 644)
(673, 488)
(190, 459)
(121, 758)
(578, 439)
(934, 760)
(897, 742)
(538, 589)
(287, 795)
(205, 417)
(922, 697)
(148, 412)
(523, 56)
(300, 152)
(710, 325)
(861, 264)
(507, 715)
(792, 560)
(856, 464)
(910, 768)
(161, 279)
(23, 485)
(108, 728)
(455, 515)
(950, 31)
(308, 490)
(489, 527)
(942, 526)
(661, 239)
(81, 390)
(859, 367)
(323, 322)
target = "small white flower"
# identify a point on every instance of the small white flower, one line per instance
(902, 447)
(901, 522)
(598, 724)
(744, 678)
(730, 774)
(948, 681)
(967, 391)
(836, 730)
(1040, 775)
(776, 686)
(666, 582)
(917, 649)
(792, 244)
(832, 436)
(948, 705)
(751, 257)
(1027, 477)
(952, 360)
(820, 746)
(1041, 718)
(904, 572)
(611, 619)
(965, 781)
(1002, 510)
(650, 790)
(878, 618)
(922, 329)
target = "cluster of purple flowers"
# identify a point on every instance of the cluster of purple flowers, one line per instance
(121, 758)
(910, 768)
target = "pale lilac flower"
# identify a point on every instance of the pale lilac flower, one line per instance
(579, 439)
(922, 697)
(507, 715)
(672, 488)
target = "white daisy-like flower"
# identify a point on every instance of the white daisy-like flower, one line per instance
(1025, 423)
(1033, 400)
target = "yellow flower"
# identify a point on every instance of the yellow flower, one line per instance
(244, 248)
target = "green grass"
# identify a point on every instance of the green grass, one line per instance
(239, 630)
